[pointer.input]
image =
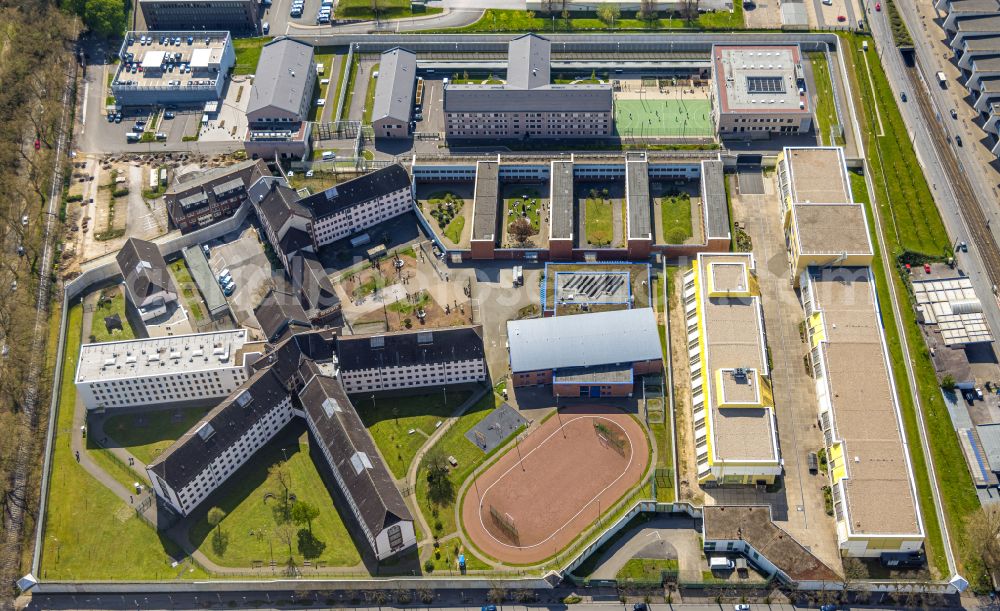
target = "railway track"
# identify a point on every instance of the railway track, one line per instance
(972, 213)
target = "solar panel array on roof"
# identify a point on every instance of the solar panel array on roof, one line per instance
(765, 84)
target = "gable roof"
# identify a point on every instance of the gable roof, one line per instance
(395, 84)
(280, 313)
(406, 348)
(282, 76)
(144, 269)
(357, 191)
(528, 62)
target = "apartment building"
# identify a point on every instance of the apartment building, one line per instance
(147, 280)
(823, 225)
(412, 359)
(528, 105)
(200, 199)
(234, 15)
(735, 433)
(177, 369)
(280, 99)
(585, 355)
(758, 91)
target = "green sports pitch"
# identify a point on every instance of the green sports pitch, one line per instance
(668, 118)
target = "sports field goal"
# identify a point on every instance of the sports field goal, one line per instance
(615, 439)
(505, 522)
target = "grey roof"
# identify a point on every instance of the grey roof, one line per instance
(528, 62)
(989, 24)
(986, 64)
(282, 76)
(144, 269)
(356, 191)
(280, 313)
(204, 277)
(197, 189)
(408, 348)
(310, 279)
(394, 86)
(969, 6)
(357, 462)
(486, 199)
(986, 43)
(486, 98)
(989, 84)
(561, 200)
(583, 340)
(793, 13)
(713, 199)
(989, 436)
(637, 201)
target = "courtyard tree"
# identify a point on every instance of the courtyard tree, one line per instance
(647, 10)
(215, 517)
(440, 490)
(608, 13)
(521, 230)
(304, 513)
(281, 479)
(982, 533)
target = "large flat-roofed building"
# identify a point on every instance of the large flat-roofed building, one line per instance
(956, 10)
(822, 224)
(585, 355)
(736, 438)
(528, 105)
(874, 495)
(241, 16)
(561, 208)
(178, 369)
(172, 67)
(485, 202)
(638, 207)
(758, 91)
(411, 359)
(280, 99)
(147, 280)
(715, 205)
(201, 199)
(394, 91)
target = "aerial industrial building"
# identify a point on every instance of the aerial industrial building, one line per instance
(394, 92)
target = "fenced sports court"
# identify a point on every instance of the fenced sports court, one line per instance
(554, 483)
(664, 108)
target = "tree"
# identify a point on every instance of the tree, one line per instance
(647, 10)
(607, 13)
(982, 530)
(215, 517)
(689, 10)
(948, 382)
(521, 229)
(105, 18)
(281, 479)
(304, 513)
(440, 489)
(286, 534)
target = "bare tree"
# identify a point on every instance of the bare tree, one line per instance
(647, 10)
(281, 479)
(521, 230)
(982, 530)
(689, 10)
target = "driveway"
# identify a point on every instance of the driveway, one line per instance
(661, 537)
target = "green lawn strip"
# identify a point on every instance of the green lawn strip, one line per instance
(109, 307)
(454, 229)
(924, 369)
(188, 287)
(366, 118)
(445, 558)
(339, 84)
(391, 419)
(910, 206)
(599, 221)
(648, 570)
(319, 90)
(248, 53)
(468, 455)
(352, 77)
(159, 429)
(675, 213)
(662, 433)
(250, 530)
(504, 20)
(826, 111)
(90, 534)
(387, 9)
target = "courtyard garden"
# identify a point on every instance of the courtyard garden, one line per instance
(445, 208)
(599, 217)
(675, 216)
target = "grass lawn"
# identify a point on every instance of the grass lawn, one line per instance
(454, 229)
(340, 82)
(374, 283)
(157, 431)
(188, 288)
(366, 118)
(468, 455)
(248, 53)
(904, 197)
(445, 558)
(405, 306)
(89, 533)
(662, 434)
(250, 528)
(599, 221)
(675, 212)
(320, 90)
(519, 199)
(826, 110)
(388, 9)
(956, 486)
(647, 569)
(108, 307)
(502, 20)
(392, 418)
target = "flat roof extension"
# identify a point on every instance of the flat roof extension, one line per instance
(833, 229)
(759, 79)
(485, 201)
(561, 200)
(817, 175)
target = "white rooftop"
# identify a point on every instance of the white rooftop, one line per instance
(952, 305)
(160, 356)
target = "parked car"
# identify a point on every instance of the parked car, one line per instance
(168, 115)
(205, 249)
(841, 18)
(902, 96)
(265, 27)
(953, 113)
(958, 140)
(878, 7)
(228, 291)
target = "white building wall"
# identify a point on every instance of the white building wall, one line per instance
(394, 378)
(382, 548)
(178, 386)
(360, 217)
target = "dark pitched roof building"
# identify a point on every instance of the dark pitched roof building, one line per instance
(408, 348)
(357, 191)
(281, 314)
(201, 199)
(147, 280)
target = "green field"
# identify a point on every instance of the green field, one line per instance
(146, 435)
(647, 570)
(187, 287)
(366, 118)
(826, 109)
(676, 118)
(381, 9)
(90, 534)
(504, 20)
(391, 419)
(599, 217)
(251, 528)
(108, 307)
(675, 214)
(454, 229)
(248, 54)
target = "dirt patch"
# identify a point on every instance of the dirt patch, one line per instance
(687, 474)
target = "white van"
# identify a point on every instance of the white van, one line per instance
(328, 155)
(720, 563)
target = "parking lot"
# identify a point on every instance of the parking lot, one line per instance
(432, 106)
(242, 253)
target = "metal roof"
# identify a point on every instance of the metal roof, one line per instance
(989, 437)
(583, 340)
(528, 62)
(394, 86)
(485, 200)
(282, 76)
(640, 225)
(713, 198)
(561, 200)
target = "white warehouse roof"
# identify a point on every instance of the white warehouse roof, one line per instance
(583, 340)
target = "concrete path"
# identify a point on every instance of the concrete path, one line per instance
(679, 533)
